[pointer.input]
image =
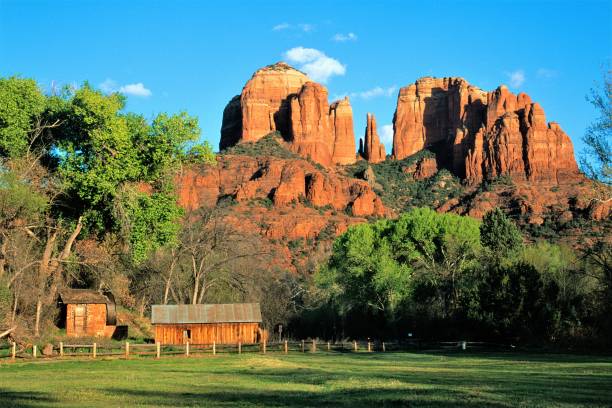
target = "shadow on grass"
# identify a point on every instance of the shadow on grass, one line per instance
(370, 397)
(24, 399)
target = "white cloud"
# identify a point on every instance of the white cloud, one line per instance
(546, 73)
(375, 92)
(386, 135)
(516, 78)
(315, 63)
(136, 89)
(306, 27)
(344, 37)
(109, 86)
(370, 93)
(281, 26)
(302, 27)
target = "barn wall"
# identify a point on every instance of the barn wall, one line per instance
(86, 320)
(207, 333)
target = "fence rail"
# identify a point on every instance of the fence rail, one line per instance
(157, 350)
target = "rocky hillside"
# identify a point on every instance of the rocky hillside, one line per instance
(289, 167)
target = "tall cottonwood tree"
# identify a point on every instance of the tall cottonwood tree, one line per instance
(78, 161)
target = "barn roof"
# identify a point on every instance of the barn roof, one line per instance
(206, 313)
(83, 296)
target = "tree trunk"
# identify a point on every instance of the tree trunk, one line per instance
(38, 313)
(166, 291)
(196, 291)
(15, 303)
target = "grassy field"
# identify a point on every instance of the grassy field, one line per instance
(345, 380)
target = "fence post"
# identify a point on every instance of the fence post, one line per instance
(264, 347)
(187, 349)
(94, 350)
(463, 345)
(286, 347)
(314, 345)
(14, 350)
(328, 346)
(355, 345)
(302, 346)
(239, 348)
(127, 350)
(158, 351)
(214, 348)
(34, 347)
(383, 346)
(61, 348)
(369, 347)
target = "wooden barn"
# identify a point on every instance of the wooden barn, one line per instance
(87, 313)
(207, 323)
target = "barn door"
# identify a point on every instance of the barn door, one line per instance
(80, 319)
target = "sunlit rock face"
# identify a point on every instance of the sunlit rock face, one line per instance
(480, 135)
(281, 98)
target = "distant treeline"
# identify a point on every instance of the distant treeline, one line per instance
(443, 276)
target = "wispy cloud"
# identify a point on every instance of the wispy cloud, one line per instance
(344, 37)
(305, 27)
(281, 26)
(546, 73)
(386, 136)
(516, 78)
(135, 89)
(375, 92)
(315, 63)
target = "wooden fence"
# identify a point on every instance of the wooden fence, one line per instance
(128, 350)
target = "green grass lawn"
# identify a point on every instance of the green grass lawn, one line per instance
(336, 379)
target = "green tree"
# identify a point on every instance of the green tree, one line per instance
(21, 103)
(499, 234)
(377, 267)
(104, 155)
(596, 160)
(362, 272)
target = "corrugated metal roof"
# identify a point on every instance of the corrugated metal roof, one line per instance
(206, 313)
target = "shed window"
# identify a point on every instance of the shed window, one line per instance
(187, 334)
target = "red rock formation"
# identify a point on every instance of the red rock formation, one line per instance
(373, 151)
(280, 98)
(310, 129)
(291, 186)
(285, 181)
(491, 134)
(341, 122)
(264, 100)
(425, 168)
(600, 209)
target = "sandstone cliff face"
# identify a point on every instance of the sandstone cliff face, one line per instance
(371, 149)
(310, 128)
(481, 135)
(280, 98)
(285, 181)
(341, 122)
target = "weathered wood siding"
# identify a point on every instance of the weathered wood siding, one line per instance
(207, 333)
(87, 320)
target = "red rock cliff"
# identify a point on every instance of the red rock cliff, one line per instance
(280, 98)
(372, 150)
(481, 135)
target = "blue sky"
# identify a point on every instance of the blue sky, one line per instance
(194, 56)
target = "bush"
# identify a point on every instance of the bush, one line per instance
(271, 144)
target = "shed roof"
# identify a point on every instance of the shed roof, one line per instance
(206, 313)
(83, 296)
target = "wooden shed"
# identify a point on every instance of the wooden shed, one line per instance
(207, 323)
(87, 313)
